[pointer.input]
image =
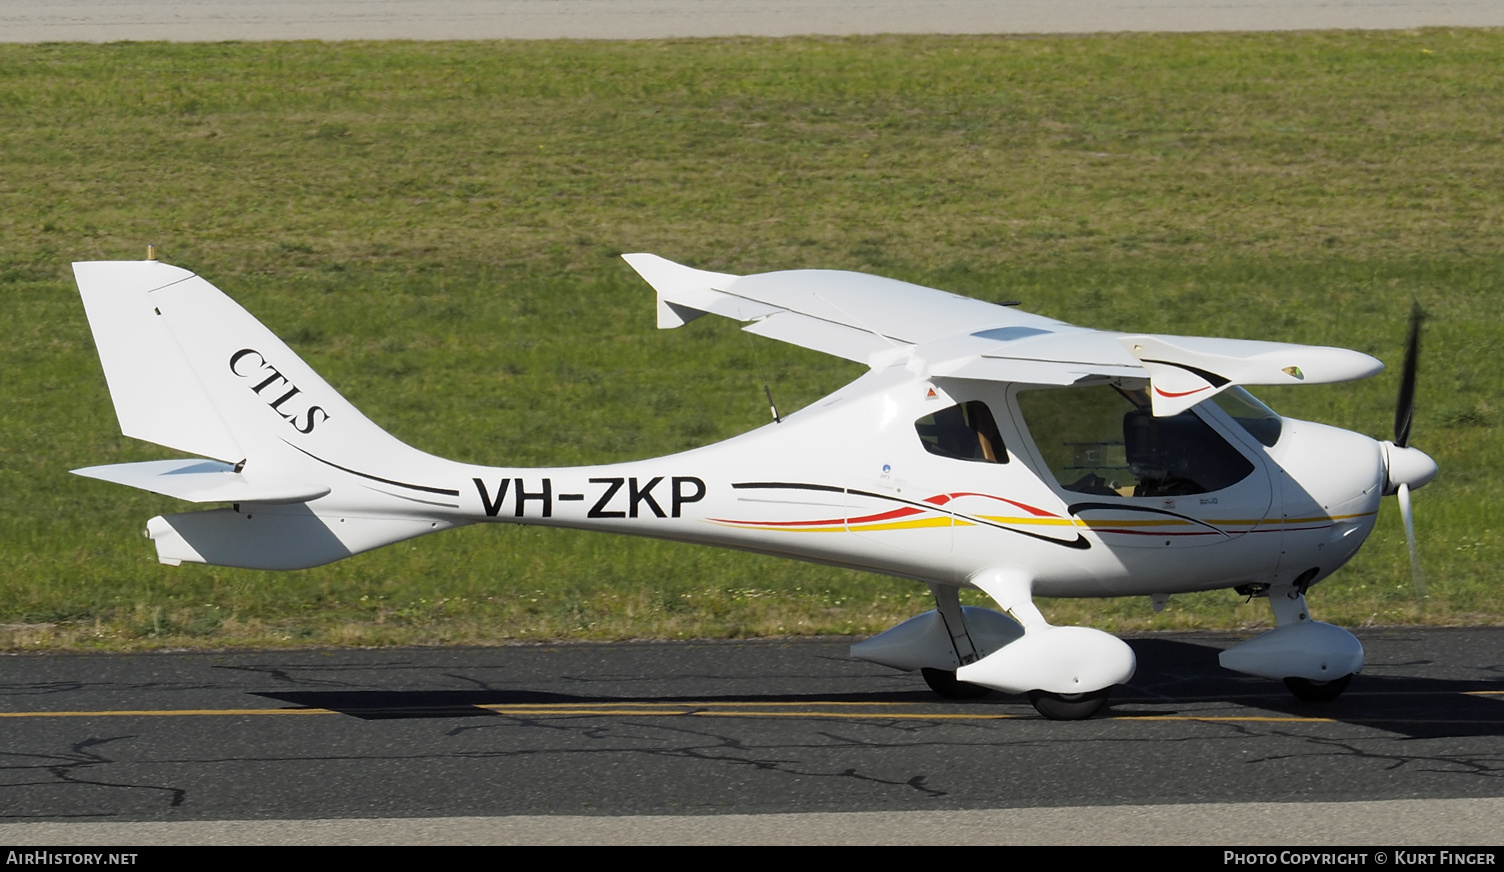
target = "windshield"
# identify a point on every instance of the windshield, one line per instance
(1258, 419)
(1105, 440)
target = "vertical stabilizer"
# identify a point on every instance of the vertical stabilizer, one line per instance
(157, 396)
(309, 478)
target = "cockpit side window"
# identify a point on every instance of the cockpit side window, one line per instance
(966, 431)
(1104, 440)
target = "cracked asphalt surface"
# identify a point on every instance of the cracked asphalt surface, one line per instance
(715, 728)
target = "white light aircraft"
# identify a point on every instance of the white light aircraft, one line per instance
(985, 448)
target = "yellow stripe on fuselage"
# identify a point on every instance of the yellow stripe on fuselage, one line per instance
(1089, 523)
(915, 524)
(1033, 522)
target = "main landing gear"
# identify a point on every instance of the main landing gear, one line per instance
(965, 653)
(945, 683)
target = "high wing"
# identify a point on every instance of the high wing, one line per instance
(884, 322)
(847, 314)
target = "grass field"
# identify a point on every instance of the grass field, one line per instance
(436, 228)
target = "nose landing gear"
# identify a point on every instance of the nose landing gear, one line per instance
(1068, 706)
(1311, 690)
(1316, 661)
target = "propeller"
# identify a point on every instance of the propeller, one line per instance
(1408, 467)
(1405, 409)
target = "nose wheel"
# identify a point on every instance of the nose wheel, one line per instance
(1311, 690)
(1069, 706)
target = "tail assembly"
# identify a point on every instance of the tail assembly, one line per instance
(310, 479)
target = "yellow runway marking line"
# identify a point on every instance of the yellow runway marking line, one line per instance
(168, 713)
(695, 704)
(724, 710)
(824, 710)
(1224, 719)
(545, 709)
(712, 712)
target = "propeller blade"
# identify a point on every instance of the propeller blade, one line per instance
(1405, 408)
(1409, 518)
(1404, 413)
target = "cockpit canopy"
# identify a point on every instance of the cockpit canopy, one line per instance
(1104, 440)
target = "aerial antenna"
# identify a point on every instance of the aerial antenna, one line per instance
(757, 362)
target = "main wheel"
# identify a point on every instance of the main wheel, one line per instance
(945, 683)
(1069, 706)
(1312, 690)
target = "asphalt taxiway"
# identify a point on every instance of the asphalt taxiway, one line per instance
(739, 741)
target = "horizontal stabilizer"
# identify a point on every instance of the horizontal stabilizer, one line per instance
(202, 481)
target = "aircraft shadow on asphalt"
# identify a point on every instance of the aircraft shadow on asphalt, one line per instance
(1175, 679)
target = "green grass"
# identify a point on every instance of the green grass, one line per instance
(435, 227)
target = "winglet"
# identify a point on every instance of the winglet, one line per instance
(677, 286)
